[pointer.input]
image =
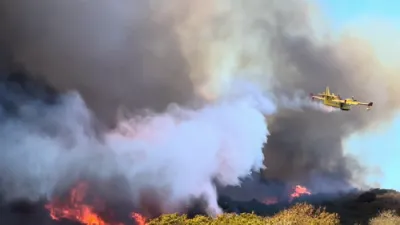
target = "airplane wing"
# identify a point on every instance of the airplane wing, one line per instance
(369, 105)
(360, 103)
(316, 97)
(338, 100)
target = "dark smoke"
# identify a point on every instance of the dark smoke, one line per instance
(306, 147)
(113, 53)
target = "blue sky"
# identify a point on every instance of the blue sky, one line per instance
(342, 12)
(380, 148)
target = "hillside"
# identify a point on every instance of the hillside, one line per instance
(353, 208)
(375, 207)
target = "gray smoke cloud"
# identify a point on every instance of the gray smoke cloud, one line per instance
(310, 143)
(116, 56)
(48, 146)
(280, 45)
(147, 54)
(112, 53)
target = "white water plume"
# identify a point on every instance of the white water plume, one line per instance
(183, 151)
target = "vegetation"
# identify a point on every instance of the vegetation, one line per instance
(388, 217)
(298, 214)
(380, 209)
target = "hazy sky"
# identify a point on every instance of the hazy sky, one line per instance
(373, 18)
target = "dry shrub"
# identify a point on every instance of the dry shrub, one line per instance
(305, 214)
(388, 217)
(300, 214)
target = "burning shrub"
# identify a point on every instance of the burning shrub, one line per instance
(299, 214)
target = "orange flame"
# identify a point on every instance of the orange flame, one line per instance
(299, 191)
(76, 210)
(141, 220)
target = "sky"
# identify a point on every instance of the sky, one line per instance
(343, 12)
(379, 149)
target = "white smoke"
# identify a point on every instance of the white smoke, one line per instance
(182, 150)
(46, 145)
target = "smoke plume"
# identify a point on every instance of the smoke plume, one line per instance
(279, 45)
(179, 154)
(144, 55)
(113, 53)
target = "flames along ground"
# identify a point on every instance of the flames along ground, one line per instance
(77, 209)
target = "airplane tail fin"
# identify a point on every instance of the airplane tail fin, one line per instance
(327, 91)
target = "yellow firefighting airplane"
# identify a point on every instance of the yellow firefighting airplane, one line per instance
(335, 101)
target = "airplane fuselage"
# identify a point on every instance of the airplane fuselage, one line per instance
(336, 104)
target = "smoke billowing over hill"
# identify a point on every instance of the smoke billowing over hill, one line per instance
(140, 57)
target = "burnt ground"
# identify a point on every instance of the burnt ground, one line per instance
(352, 208)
